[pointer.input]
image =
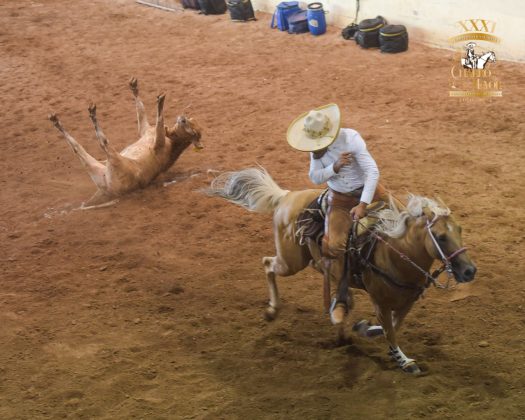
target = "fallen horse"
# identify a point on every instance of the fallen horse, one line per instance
(140, 163)
(395, 268)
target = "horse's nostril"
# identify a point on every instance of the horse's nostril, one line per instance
(469, 273)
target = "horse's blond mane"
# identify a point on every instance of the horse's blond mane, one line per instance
(392, 221)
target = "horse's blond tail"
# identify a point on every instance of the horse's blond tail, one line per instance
(252, 188)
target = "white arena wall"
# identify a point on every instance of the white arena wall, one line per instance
(433, 21)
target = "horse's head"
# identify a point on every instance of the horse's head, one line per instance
(435, 227)
(185, 131)
(447, 242)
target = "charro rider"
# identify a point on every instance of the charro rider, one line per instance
(340, 158)
(471, 57)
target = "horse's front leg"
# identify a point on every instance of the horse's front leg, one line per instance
(400, 315)
(385, 317)
(365, 329)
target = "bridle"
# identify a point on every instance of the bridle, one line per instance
(431, 278)
(446, 261)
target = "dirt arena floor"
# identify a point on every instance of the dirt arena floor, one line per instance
(153, 308)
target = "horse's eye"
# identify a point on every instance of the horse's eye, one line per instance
(442, 238)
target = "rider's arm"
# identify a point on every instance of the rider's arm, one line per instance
(319, 174)
(369, 167)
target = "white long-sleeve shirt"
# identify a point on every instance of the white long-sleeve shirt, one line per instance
(362, 172)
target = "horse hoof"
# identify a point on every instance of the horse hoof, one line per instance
(412, 369)
(271, 313)
(361, 327)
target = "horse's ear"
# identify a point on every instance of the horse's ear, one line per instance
(441, 202)
(427, 212)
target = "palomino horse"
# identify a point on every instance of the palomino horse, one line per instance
(423, 232)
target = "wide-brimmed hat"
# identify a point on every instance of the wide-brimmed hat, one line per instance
(316, 129)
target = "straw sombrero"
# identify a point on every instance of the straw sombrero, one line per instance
(316, 129)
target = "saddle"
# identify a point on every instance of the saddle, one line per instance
(310, 226)
(310, 223)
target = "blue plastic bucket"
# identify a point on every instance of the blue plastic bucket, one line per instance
(283, 10)
(316, 19)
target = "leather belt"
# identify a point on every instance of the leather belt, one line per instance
(345, 200)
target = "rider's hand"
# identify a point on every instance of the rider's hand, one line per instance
(344, 159)
(359, 211)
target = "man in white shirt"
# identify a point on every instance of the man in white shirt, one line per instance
(347, 167)
(340, 158)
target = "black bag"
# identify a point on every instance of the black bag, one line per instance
(368, 34)
(393, 38)
(191, 4)
(350, 31)
(240, 10)
(212, 7)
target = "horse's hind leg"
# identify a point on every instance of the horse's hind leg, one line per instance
(96, 170)
(365, 329)
(142, 119)
(290, 259)
(271, 267)
(112, 154)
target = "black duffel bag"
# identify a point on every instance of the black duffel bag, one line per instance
(350, 31)
(191, 4)
(368, 34)
(240, 10)
(212, 7)
(393, 38)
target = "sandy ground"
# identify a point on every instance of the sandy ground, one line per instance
(153, 308)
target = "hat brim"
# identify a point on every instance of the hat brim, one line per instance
(298, 139)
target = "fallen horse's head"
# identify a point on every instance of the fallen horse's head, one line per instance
(185, 132)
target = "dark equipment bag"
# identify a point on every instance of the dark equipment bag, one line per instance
(191, 4)
(212, 7)
(393, 38)
(240, 10)
(368, 34)
(298, 23)
(350, 31)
